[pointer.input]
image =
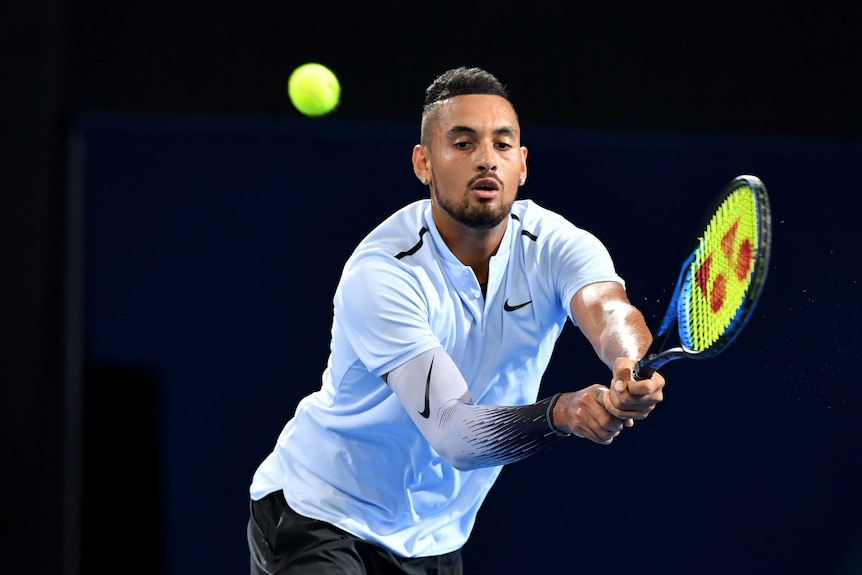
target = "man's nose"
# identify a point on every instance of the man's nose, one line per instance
(485, 161)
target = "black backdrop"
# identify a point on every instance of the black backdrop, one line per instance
(635, 84)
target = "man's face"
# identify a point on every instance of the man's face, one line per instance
(475, 160)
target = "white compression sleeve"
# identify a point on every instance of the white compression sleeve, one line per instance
(468, 436)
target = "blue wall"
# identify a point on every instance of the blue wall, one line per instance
(212, 251)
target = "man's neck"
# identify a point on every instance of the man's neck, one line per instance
(473, 247)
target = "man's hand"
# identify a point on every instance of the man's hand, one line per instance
(599, 413)
(630, 399)
(582, 414)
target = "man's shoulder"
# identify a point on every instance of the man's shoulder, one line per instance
(535, 218)
(402, 233)
(399, 228)
(406, 219)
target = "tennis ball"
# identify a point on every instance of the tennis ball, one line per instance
(314, 89)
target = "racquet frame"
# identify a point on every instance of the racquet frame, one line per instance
(659, 353)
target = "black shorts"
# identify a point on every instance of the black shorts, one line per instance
(283, 542)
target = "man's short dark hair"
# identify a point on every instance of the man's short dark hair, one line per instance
(462, 81)
(458, 82)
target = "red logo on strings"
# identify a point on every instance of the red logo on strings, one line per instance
(738, 259)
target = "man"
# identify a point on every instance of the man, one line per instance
(445, 319)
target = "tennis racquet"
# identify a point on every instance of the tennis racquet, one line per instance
(721, 280)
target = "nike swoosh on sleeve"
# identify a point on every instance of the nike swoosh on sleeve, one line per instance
(508, 307)
(427, 411)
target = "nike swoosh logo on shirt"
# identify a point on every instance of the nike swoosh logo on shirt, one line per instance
(427, 411)
(508, 307)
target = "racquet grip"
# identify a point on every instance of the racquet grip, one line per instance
(641, 370)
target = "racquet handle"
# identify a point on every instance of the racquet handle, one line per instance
(641, 371)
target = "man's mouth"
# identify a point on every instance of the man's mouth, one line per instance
(486, 187)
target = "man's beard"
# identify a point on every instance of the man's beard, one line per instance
(482, 216)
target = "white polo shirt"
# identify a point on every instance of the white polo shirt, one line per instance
(351, 455)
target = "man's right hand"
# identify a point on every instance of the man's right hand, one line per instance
(582, 413)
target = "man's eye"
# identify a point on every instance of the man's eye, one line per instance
(462, 145)
(503, 145)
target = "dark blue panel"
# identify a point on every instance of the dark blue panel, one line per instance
(213, 246)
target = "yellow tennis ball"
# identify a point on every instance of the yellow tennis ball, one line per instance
(314, 89)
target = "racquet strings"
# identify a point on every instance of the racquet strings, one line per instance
(715, 290)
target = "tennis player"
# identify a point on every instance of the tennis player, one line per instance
(445, 319)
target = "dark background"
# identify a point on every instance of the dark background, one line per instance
(751, 466)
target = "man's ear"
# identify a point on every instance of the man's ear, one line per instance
(422, 163)
(523, 178)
